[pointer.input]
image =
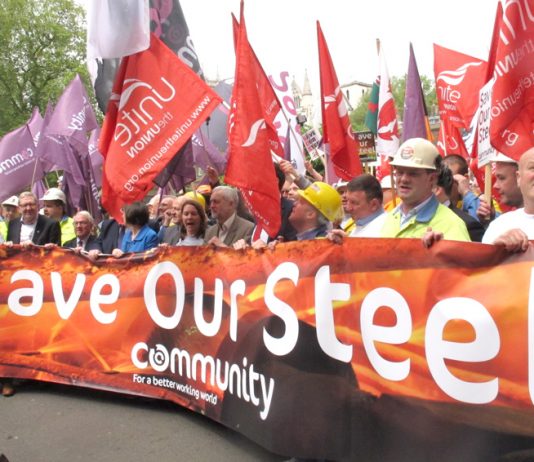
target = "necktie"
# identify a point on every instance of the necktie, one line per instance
(80, 243)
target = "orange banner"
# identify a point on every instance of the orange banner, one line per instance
(313, 336)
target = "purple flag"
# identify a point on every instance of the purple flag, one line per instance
(97, 160)
(73, 115)
(414, 125)
(39, 188)
(215, 126)
(287, 144)
(56, 152)
(35, 124)
(206, 154)
(17, 162)
(179, 170)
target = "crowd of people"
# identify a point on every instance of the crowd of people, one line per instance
(427, 197)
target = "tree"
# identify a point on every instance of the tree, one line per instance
(42, 47)
(398, 87)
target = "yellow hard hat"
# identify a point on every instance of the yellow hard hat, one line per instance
(324, 198)
(416, 153)
(193, 195)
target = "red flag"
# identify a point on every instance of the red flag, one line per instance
(252, 137)
(337, 131)
(512, 111)
(450, 140)
(157, 104)
(459, 79)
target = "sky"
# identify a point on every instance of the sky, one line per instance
(283, 34)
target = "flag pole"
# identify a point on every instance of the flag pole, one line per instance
(393, 185)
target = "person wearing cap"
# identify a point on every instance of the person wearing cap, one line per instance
(417, 163)
(506, 171)
(10, 210)
(514, 229)
(32, 227)
(55, 205)
(229, 227)
(83, 227)
(317, 207)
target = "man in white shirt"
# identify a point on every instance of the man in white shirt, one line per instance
(364, 203)
(514, 229)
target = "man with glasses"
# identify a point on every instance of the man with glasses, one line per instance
(83, 228)
(31, 227)
(417, 164)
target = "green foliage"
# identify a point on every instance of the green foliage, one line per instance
(357, 116)
(42, 47)
(398, 87)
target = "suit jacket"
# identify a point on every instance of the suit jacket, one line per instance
(110, 232)
(474, 227)
(47, 231)
(170, 234)
(240, 229)
(92, 244)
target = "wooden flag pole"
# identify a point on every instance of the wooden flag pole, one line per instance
(487, 184)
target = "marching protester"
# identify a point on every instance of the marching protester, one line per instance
(317, 207)
(10, 210)
(347, 223)
(229, 227)
(443, 192)
(31, 227)
(364, 203)
(506, 186)
(417, 164)
(139, 237)
(171, 226)
(85, 240)
(514, 229)
(55, 207)
(194, 223)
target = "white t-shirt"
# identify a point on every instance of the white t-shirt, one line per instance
(517, 219)
(371, 229)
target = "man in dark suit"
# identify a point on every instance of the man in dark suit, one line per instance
(31, 227)
(229, 227)
(83, 227)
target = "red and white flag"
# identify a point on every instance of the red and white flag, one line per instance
(512, 111)
(459, 78)
(156, 105)
(337, 131)
(252, 136)
(387, 138)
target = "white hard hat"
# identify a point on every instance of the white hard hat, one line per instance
(416, 153)
(55, 194)
(13, 200)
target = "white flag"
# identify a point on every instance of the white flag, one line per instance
(117, 28)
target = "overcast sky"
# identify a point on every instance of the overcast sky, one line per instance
(283, 33)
